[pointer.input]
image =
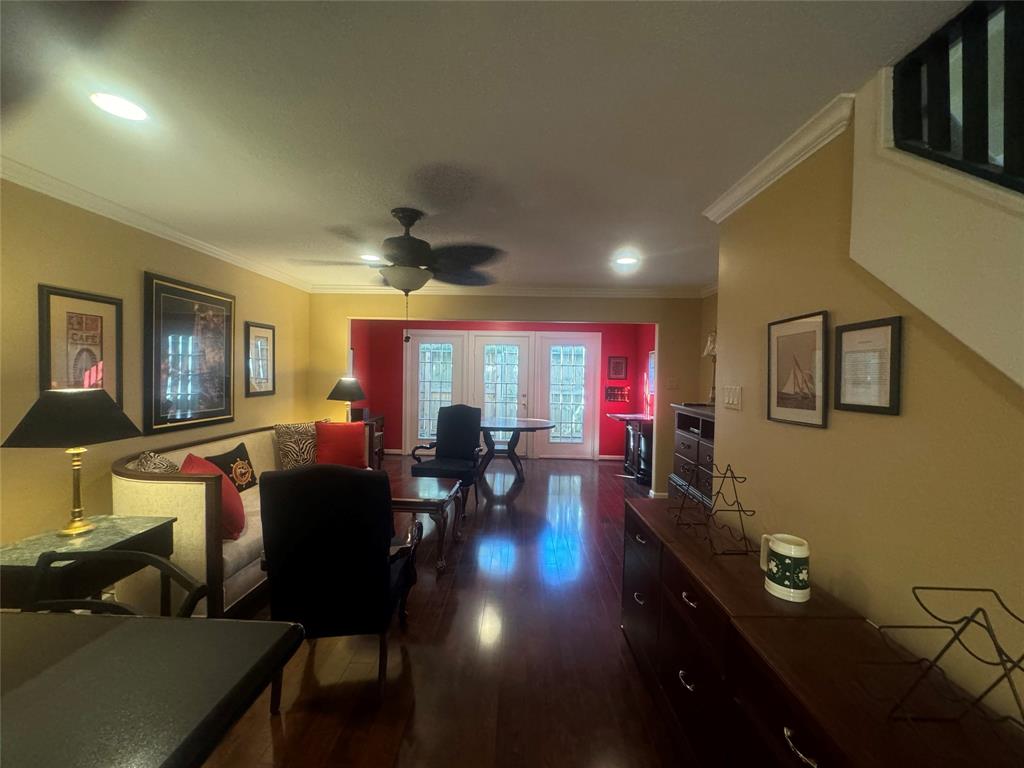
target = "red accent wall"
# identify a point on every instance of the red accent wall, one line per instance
(378, 351)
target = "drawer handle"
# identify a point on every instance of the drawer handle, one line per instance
(787, 733)
(640, 539)
(639, 598)
(691, 687)
(688, 601)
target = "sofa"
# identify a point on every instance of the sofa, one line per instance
(231, 568)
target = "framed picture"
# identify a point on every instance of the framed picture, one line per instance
(188, 335)
(260, 358)
(798, 370)
(617, 367)
(79, 341)
(868, 366)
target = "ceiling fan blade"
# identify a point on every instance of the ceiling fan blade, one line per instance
(467, 277)
(330, 263)
(452, 258)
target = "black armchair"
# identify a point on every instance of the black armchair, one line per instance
(43, 581)
(328, 550)
(456, 450)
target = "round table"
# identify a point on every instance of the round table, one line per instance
(516, 427)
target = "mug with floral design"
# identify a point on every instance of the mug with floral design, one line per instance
(785, 561)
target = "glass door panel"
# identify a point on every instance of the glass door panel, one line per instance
(567, 393)
(433, 366)
(501, 378)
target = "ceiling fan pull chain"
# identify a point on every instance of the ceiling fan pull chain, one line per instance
(407, 338)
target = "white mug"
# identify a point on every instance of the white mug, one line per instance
(785, 561)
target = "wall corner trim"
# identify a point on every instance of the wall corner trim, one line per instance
(26, 176)
(824, 126)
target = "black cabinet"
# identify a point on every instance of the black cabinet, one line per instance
(693, 464)
(639, 446)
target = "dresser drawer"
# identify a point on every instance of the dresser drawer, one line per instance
(709, 626)
(641, 598)
(706, 456)
(778, 723)
(687, 445)
(684, 469)
(642, 545)
(705, 483)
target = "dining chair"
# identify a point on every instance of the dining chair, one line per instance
(457, 450)
(331, 562)
(45, 576)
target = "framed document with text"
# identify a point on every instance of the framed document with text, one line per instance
(868, 366)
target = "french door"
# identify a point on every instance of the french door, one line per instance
(507, 375)
(501, 377)
(434, 377)
(566, 393)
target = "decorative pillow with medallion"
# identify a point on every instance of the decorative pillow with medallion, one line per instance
(236, 465)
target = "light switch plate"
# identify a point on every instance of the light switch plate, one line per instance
(732, 397)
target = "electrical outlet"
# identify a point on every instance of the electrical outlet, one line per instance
(732, 397)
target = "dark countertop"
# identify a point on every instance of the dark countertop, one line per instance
(630, 417)
(700, 409)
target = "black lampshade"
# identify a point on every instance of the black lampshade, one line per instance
(71, 418)
(348, 389)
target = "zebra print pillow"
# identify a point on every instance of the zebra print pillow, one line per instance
(149, 461)
(296, 444)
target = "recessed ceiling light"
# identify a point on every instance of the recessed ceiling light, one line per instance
(626, 256)
(370, 257)
(118, 107)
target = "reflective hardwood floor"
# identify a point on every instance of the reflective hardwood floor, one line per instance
(514, 657)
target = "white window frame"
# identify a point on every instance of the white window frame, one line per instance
(410, 377)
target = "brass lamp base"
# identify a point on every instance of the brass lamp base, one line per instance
(75, 527)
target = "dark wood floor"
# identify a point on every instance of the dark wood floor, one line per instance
(512, 658)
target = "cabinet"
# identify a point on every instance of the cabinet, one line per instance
(639, 445)
(374, 435)
(746, 679)
(693, 462)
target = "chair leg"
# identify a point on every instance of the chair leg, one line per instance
(382, 659)
(275, 691)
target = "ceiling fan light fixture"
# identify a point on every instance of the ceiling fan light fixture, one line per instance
(370, 257)
(118, 106)
(406, 279)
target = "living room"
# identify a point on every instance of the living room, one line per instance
(695, 291)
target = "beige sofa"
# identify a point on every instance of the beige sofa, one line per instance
(231, 568)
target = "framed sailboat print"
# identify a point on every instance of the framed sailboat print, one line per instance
(798, 370)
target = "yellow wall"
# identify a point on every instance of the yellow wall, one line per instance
(47, 241)
(678, 320)
(708, 324)
(932, 496)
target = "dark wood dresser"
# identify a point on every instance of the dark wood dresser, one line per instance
(693, 461)
(747, 679)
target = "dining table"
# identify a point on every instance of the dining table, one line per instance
(102, 691)
(516, 427)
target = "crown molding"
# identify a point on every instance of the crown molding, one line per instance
(539, 291)
(709, 290)
(26, 176)
(826, 125)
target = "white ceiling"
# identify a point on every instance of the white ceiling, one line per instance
(284, 131)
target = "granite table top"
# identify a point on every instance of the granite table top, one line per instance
(110, 530)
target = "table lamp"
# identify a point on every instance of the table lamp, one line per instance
(347, 389)
(711, 350)
(70, 419)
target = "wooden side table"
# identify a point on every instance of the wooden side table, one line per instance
(78, 579)
(433, 495)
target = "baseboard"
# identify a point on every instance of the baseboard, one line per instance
(657, 494)
(610, 457)
(393, 452)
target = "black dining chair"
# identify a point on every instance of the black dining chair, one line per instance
(44, 592)
(457, 450)
(331, 563)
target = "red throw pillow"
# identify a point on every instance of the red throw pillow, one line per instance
(232, 516)
(341, 442)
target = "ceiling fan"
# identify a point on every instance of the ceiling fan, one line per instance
(412, 262)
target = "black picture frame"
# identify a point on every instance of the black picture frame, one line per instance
(618, 366)
(252, 384)
(894, 363)
(788, 403)
(48, 356)
(188, 333)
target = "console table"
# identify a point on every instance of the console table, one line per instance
(747, 679)
(80, 579)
